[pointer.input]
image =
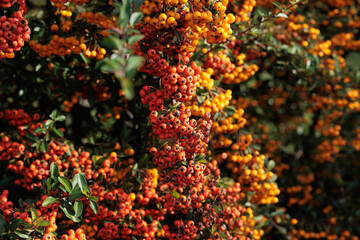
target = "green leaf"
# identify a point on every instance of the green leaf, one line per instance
(62, 188)
(54, 170)
(15, 224)
(276, 4)
(271, 165)
(76, 194)
(256, 147)
(128, 87)
(277, 212)
(135, 17)
(70, 209)
(112, 42)
(135, 38)
(230, 110)
(353, 60)
(94, 206)
(282, 15)
(273, 178)
(43, 146)
(132, 65)
(124, 14)
(337, 65)
(49, 200)
(202, 161)
(49, 122)
(110, 66)
(175, 194)
(78, 207)
(34, 214)
(55, 185)
(245, 131)
(32, 137)
(60, 118)
(79, 179)
(43, 223)
(48, 184)
(93, 198)
(54, 114)
(258, 218)
(261, 12)
(358, 77)
(58, 132)
(70, 213)
(200, 99)
(2, 224)
(66, 183)
(21, 234)
(39, 130)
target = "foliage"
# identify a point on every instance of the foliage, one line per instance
(179, 119)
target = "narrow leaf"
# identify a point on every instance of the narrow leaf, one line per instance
(54, 170)
(54, 114)
(132, 65)
(39, 130)
(49, 200)
(271, 165)
(94, 206)
(66, 183)
(135, 38)
(282, 15)
(44, 223)
(60, 118)
(76, 194)
(135, 17)
(276, 4)
(58, 132)
(32, 137)
(78, 207)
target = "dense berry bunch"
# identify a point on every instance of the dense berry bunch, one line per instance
(14, 29)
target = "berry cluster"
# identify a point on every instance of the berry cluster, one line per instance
(14, 29)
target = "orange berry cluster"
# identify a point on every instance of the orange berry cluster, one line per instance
(297, 30)
(346, 41)
(242, 10)
(217, 103)
(321, 49)
(14, 29)
(221, 66)
(69, 104)
(58, 46)
(100, 20)
(232, 124)
(204, 24)
(65, 46)
(205, 78)
(252, 173)
(62, 46)
(356, 141)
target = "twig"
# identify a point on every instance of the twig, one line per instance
(280, 229)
